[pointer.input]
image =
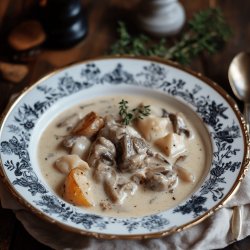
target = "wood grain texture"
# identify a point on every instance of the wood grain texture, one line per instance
(7, 227)
(102, 17)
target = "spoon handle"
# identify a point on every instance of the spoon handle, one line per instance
(246, 114)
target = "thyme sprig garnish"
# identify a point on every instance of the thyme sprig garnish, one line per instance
(128, 116)
(206, 31)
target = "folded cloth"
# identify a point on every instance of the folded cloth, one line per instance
(213, 233)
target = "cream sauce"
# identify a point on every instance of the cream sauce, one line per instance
(143, 202)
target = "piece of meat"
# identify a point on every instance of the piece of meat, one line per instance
(161, 182)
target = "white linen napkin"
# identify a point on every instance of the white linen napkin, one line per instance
(213, 233)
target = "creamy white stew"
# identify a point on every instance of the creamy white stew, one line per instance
(92, 160)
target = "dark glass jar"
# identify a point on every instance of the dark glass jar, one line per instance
(64, 22)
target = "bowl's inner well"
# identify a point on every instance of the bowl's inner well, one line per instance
(49, 136)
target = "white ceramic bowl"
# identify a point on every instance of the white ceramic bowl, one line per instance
(39, 104)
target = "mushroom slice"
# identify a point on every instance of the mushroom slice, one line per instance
(67, 162)
(89, 125)
(81, 147)
(133, 163)
(127, 148)
(77, 188)
(104, 150)
(179, 125)
(161, 182)
(140, 145)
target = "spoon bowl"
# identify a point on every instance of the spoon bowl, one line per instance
(239, 76)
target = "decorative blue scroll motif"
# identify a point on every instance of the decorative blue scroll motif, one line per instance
(153, 222)
(118, 76)
(17, 145)
(51, 205)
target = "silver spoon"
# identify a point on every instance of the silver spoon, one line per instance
(239, 78)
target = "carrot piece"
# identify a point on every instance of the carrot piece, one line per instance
(77, 188)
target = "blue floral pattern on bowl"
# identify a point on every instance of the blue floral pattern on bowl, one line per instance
(224, 125)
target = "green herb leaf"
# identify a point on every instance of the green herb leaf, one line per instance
(128, 116)
(206, 31)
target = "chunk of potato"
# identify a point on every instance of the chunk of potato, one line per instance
(172, 144)
(77, 188)
(89, 125)
(153, 127)
(67, 162)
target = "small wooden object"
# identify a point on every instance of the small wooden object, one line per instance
(13, 72)
(27, 35)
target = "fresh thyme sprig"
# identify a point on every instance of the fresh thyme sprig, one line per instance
(128, 116)
(206, 31)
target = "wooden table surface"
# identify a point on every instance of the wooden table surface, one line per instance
(102, 17)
